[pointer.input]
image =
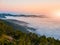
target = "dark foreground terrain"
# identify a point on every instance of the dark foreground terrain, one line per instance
(11, 36)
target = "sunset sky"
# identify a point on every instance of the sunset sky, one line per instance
(30, 6)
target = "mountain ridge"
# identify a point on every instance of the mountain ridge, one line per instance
(3, 15)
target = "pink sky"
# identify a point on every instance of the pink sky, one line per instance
(29, 6)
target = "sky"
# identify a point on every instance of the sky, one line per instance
(29, 6)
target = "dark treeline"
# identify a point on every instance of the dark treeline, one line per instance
(2, 15)
(10, 36)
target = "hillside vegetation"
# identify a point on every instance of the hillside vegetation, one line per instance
(10, 36)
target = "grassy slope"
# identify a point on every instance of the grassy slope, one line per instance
(11, 36)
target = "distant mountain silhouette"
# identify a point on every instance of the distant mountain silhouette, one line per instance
(19, 25)
(15, 25)
(3, 15)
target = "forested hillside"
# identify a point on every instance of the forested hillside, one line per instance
(10, 36)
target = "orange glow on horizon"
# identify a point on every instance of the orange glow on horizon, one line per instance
(34, 9)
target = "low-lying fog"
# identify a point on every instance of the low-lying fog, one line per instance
(45, 26)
